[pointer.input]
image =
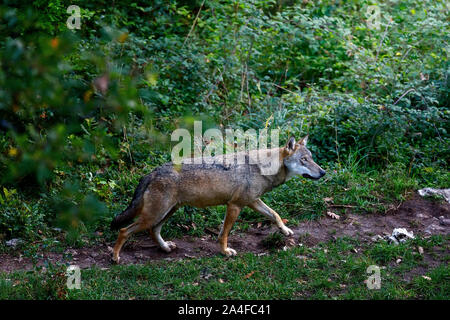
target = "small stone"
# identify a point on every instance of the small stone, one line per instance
(261, 254)
(420, 249)
(376, 238)
(433, 228)
(443, 221)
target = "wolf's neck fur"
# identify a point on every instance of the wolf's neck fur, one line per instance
(278, 179)
(282, 174)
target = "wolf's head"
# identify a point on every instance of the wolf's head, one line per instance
(298, 160)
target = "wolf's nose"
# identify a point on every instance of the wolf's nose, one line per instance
(322, 172)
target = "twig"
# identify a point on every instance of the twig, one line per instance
(193, 24)
(382, 39)
(404, 95)
(341, 206)
(280, 87)
(396, 208)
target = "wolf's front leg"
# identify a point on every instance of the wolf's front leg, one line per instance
(263, 208)
(230, 219)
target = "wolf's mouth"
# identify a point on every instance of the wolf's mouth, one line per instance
(305, 175)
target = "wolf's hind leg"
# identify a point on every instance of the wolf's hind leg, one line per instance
(259, 206)
(230, 219)
(155, 231)
(124, 233)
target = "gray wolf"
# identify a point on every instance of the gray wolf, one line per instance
(213, 183)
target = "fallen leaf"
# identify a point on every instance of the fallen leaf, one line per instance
(333, 215)
(328, 199)
(426, 278)
(285, 221)
(249, 275)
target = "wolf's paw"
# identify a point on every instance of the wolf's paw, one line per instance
(229, 252)
(169, 246)
(172, 245)
(115, 260)
(287, 232)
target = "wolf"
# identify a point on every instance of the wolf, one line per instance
(217, 180)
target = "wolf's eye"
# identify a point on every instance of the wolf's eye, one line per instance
(304, 159)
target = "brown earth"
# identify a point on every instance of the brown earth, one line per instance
(417, 214)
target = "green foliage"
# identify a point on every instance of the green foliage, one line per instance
(85, 113)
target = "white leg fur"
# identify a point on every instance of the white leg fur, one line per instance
(165, 245)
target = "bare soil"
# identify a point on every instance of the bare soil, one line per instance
(417, 214)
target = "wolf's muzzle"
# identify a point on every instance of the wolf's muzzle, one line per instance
(321, 174)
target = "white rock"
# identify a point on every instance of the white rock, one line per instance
(14, 242)
(430, 191)
(401, 234)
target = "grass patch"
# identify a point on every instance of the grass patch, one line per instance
(332, 270)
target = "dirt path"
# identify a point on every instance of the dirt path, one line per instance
(417, 214)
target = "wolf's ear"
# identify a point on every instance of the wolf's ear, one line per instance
(303, 141)
(290, 145)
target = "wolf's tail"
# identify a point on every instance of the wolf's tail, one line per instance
(135, 206)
